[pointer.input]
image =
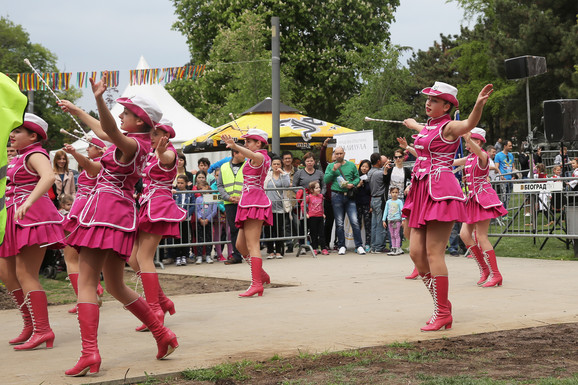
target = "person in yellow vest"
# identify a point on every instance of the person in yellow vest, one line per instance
(230, 185)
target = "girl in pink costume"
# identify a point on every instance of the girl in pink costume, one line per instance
(436, 200)
(483, 204)
(86, 181)
(254, 207)
(32, 223)
(159, 217)
(108, 223)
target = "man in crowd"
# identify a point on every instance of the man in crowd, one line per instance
(344, 176)
(292, 225)
(505, 162)
(375, 180)
(230, 186)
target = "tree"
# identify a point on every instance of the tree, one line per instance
(16, 47)
(316, 38)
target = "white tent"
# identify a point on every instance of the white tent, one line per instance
(186, 125)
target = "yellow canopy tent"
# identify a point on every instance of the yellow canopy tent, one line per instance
(296, 130)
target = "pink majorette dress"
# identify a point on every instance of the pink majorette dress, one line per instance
(436, 194)
(483, 202)
(109, 218)
(84, 186)
(42, 224)
(254, 203)
(159, 213)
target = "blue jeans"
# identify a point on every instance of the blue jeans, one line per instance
(342, 205)
(454, 246)
(377, 230)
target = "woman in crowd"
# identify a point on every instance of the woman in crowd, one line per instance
(64, 178)
(276, 179)
(363, 201)
(436, 200)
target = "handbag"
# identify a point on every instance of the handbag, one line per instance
(351, 191)
(287, 206)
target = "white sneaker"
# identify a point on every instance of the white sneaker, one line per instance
(178, 261)
(342, 250)
(399, 251)
(183, 261)
(392, 252)
(199, 260)
(208, 259)
(360, 250)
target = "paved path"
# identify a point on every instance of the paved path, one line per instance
(336, 303)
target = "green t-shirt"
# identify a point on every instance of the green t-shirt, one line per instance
(350, 174)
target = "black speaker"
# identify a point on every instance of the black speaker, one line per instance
(561, 120)
(525, 66)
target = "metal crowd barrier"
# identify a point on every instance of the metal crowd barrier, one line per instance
(197, 239)
(537, 208)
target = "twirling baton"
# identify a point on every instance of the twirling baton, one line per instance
(62, 130)
(234, 121)
(368, 119)
(53, 93)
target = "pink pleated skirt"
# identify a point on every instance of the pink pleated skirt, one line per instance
(420, 208)
(264, 214)
(17, 237)
(476, 213)
(166, 229)
(104, 238)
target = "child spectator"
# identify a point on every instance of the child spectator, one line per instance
(65, 203)
(315, 216)
(206, 213)
(392, 214)
(220, 225)
(184, 200)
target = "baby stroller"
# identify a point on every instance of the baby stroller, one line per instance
(52, 264)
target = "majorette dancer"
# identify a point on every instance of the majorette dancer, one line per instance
(159, 217)
(108, 224)
(86, 181)
(254, 207)
(33, 222)
(436, 200)
(483, 204)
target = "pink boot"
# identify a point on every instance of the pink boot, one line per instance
(38, 308)
(442, 316)
(18, 297)
(73, 278)
(413, 274)
(256, 278)
(88, 316)
(265, 279)
(482, 265)
(166, 339)
(495, 278)
(151, 286)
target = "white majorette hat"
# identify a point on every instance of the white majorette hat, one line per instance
(479, 133)
(256, 134)
(167, 126)
(143, 107)
(443, 91)
(36, 124)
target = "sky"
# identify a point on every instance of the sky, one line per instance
(112, 35)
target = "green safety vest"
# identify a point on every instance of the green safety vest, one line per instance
(12, 106)
(233, 184)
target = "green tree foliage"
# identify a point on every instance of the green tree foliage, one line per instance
(237, 76)
(316, 39)
(383, 95)
(15, 46)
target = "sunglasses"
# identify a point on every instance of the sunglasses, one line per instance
(398, 157)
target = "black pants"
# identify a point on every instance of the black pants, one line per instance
(276, 231)
(231, 214)
(184, 250)
(317, 232)
(204, 235)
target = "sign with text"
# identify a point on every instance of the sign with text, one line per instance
(357, 145)
(538, 186)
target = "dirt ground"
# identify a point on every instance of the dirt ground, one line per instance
(523, 355)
